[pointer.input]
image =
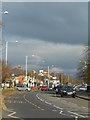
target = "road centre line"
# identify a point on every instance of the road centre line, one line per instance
(84, 107)
(48, 103)
(32, 103)
(57, 107)
(39, 98)
(76, 115)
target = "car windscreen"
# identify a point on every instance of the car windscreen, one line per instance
(68, 88)
(44, 86)
(59, 86)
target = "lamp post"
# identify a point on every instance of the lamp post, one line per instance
(1, 62)
(49, 75)
(26, 68)
(5, 12)
(7, 51)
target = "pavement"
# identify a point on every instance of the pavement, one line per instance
(83, 95)
(44, 105)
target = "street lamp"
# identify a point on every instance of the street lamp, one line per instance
(7, 50)
(26, 68)
(49, 74)
(5, 12)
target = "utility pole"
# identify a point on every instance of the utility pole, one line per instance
(48, 76)
(68, 79)
(26, 68)
(6, 51)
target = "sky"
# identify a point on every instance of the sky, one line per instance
(44, 0)
(50, 34)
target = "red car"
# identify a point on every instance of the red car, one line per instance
(44, 88)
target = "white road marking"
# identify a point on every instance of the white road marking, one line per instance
(57, 107)
(32, 103)
(42, 100)
(39, 98)
(54, 110)
(11, 115)
(58, 98)
(84, 107)
(77, 114)
(76, 117)
(38, 107)
(48, 103)
(61, 112)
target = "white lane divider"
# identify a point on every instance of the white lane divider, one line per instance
(57, 107)
(77, 114)
(48, 103)
(61, 112)
(11, 114)
(39, 98)
(61, 109)
(76, 117)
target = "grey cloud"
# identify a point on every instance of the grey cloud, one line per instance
(54, 22)
(62, 56)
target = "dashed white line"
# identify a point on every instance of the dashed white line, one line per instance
(77, 114)
(57, 107)
(84, 107)
(48, 103)
(54, 110)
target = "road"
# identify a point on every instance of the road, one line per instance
(44, 105)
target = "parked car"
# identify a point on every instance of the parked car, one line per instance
(84, 88)
(68, 91)
(44, 88)
(58, 89)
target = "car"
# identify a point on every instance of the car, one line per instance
(50, 88)
(44, 88)
(58, 89)
(83, 88)
(28, 89)
(20, 88)
(68, 91)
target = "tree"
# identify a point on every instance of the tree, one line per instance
(83, 71)
(6, 72)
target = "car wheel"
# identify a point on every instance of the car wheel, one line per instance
(73, 95)
(61, 94)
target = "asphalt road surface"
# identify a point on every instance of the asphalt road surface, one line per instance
(45, 105)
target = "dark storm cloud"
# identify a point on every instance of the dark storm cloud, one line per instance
(53, 22)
